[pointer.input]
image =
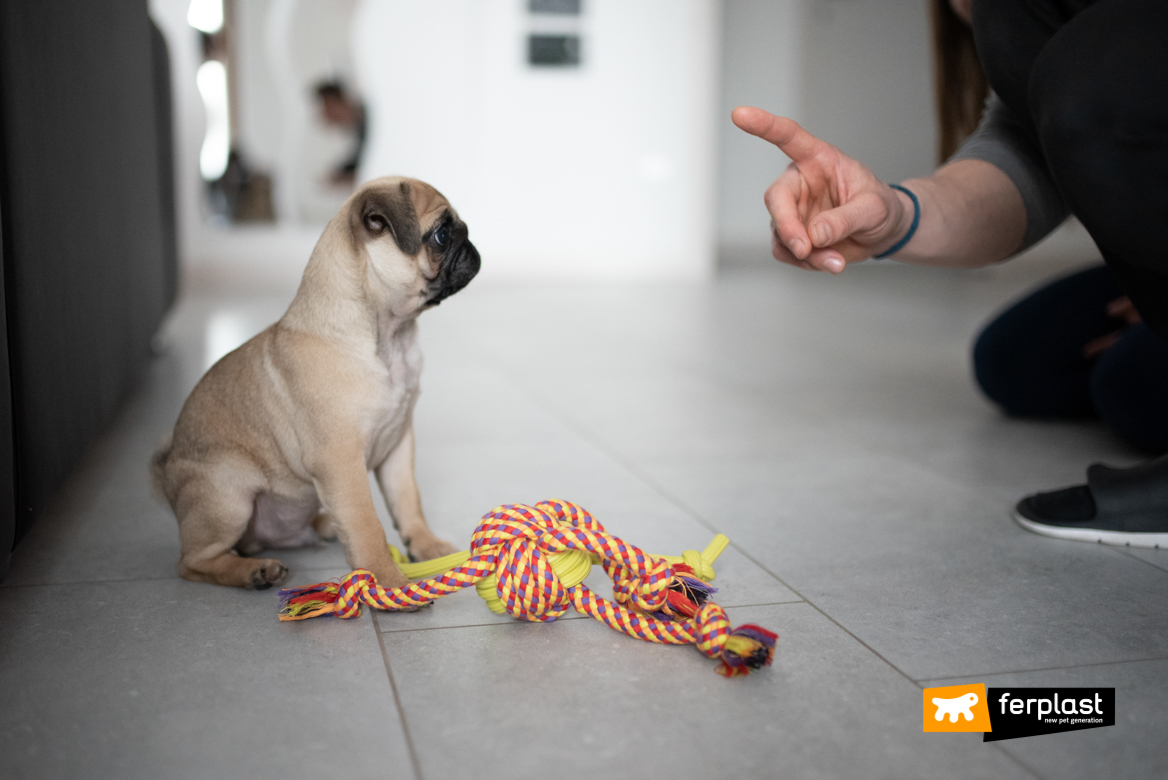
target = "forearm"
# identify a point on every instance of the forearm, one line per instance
(971, 215)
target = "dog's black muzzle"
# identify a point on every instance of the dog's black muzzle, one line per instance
(458, 267)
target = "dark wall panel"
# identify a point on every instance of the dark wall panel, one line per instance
(85, 245)
(164, 135)
(7, 488)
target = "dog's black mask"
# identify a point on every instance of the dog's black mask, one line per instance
(458, 260)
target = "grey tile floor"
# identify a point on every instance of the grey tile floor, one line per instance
(828, 426)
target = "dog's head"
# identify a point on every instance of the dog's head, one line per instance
(415, 245)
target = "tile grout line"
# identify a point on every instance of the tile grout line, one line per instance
(1044, 669)
(1124, 551)
(799, 600)
(14, 586)
(401, 712)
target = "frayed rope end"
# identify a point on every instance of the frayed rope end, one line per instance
(308, 602)
(687, 594)
(748, 647)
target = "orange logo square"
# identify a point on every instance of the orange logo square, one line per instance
(956, 708)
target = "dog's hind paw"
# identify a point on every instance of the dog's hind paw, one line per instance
(268, 574)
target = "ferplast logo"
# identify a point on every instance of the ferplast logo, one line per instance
(1009, 713)
(1028, 712)
(956, 708)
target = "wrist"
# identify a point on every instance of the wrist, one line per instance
(906, 223)
(906, 215)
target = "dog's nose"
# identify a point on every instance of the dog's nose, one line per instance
(469, 263)
(455, 273)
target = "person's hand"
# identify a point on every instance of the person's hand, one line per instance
(826, 209)
(1119, 309)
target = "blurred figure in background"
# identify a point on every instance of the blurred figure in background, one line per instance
(341, 110)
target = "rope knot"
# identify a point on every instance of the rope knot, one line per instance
(740, 650)
(352, 589)
(526, 581)
(644, 586)
(536, 547)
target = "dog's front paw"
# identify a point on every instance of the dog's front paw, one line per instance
(267, 573)
(424, 549)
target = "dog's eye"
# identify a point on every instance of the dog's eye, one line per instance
(441, 235)
(374, 223)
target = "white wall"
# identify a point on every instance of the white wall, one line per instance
(606, 171)
(260, 117)
(857, 73)
(763, 42)
(868, 83)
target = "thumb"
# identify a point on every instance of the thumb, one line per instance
(865, 212)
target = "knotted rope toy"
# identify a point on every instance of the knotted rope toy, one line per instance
(531, 561)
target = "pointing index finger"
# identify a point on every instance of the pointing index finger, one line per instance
(793, 140)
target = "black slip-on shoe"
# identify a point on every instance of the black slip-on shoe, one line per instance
(1124, 507)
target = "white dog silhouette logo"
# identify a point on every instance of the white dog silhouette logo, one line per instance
(954, 707)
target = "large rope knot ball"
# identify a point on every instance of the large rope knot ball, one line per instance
(531, 562)
(544, 552)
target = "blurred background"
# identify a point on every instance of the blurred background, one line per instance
(578, 138)
(155, 151)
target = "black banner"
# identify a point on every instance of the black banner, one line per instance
(1027, 712)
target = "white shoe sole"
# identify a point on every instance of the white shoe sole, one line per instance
(1115, 538)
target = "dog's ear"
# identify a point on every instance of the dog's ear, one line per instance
(388, 209)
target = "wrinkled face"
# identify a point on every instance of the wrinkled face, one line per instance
(416, 246)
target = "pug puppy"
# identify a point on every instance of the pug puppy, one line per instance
(273, 447)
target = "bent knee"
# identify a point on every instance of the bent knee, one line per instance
(1017, 371)
(996, 366)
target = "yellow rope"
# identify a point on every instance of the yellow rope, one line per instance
(424, 569)
(701, 562)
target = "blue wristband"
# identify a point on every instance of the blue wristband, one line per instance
(899, 245)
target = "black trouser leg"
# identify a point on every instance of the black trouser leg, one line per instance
(1031, 361)
(1129, 387)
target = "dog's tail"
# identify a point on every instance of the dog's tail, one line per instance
(158, 467)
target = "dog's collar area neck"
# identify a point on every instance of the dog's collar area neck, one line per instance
(392, 327)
